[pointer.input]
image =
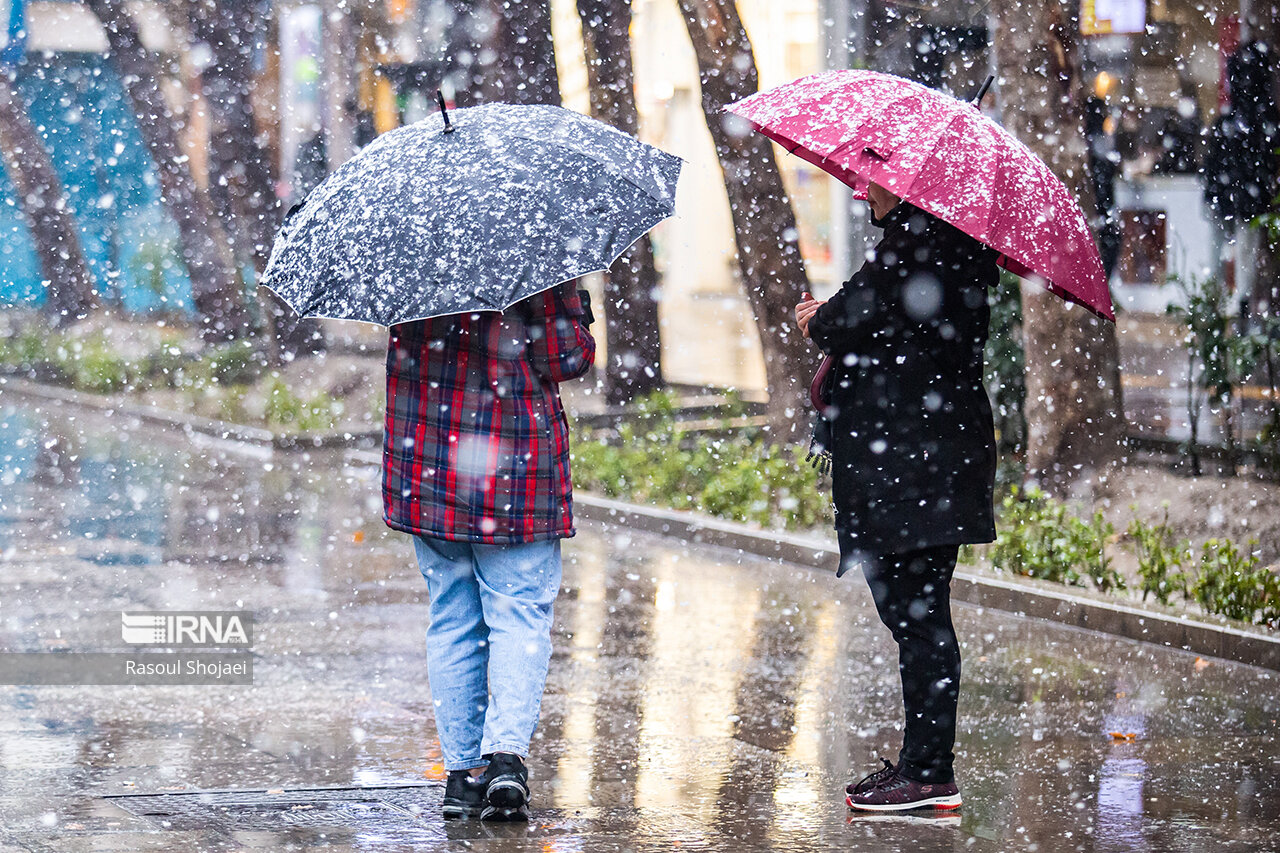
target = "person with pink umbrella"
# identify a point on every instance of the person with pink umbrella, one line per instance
(908, 428)
(904, 419)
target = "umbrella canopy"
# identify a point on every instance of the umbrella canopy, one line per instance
(473, 211)
(945, 157)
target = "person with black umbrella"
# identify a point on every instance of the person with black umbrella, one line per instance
(463, 233)
(476, 467)
(907, 429)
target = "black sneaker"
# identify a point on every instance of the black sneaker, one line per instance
(871, 779)
(507, 789)
(463, 796)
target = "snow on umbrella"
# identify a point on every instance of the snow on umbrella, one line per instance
(469, 211)
(945, 157)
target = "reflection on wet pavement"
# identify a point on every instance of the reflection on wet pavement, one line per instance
(697, 699)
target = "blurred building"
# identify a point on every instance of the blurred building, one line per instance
(1158, 68)
(77, 103)
(331, 74)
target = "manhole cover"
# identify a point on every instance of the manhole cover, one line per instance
(403, 814)
(268, 811)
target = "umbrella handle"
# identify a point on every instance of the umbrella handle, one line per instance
(448, 125)
(820, 379)
(976, 100)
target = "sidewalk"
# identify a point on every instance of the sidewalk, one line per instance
(698, 697)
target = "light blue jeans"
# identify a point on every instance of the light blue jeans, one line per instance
(489, 643)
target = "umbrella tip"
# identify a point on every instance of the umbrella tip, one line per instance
(976, 100)
(448, 125)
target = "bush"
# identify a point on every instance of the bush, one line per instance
(1039, 538)
(234, 363)
(26, 349)
(1005, 361)
(94, 367)
(732, 475)
(1232, 584)
(168, 365)
(285, 408)
(91, 364)
(1160, 557)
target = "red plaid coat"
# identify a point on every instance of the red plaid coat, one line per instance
(476, 446)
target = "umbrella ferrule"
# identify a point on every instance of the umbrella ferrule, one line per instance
(976, 100)
(444, 112)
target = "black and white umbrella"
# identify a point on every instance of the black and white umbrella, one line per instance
(469, 211)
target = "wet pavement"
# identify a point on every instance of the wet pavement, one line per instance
(697, 699)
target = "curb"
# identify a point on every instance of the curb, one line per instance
(1026, 597)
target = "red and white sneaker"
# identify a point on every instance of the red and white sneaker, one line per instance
(899, 794)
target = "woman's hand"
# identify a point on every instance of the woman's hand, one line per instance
(805, 309)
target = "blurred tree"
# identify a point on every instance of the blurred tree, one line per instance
(242, 172)
(764, 223)
(499, 50)
(631, 285)
(527, 53)
(69, 294)
(216, 285)
(1075, 416)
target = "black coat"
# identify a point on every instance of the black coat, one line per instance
(911, 435)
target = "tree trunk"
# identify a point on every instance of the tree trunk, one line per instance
(242, 176)
(764, 224)
(69, 294)
(501, 50)
(1075, 416)
(631, 326)
(215, 283)
(528, 56)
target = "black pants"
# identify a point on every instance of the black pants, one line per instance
(912, 591)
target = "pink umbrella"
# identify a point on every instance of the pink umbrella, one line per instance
(943, 156)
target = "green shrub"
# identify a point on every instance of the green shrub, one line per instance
(1233, 584)
(234, 363)
(1005, 363)
(1160, 557)
(168, 366)
(285, 408)
(92, 364)
(732, 475)
(28, 348)
(736, 475)
(99, 370)
(1040, 538)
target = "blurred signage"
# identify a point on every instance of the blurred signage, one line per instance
(1106, 17)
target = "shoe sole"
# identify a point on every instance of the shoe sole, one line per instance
(453, 811)
(507, 795)
(493, 814)
(939, 803)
